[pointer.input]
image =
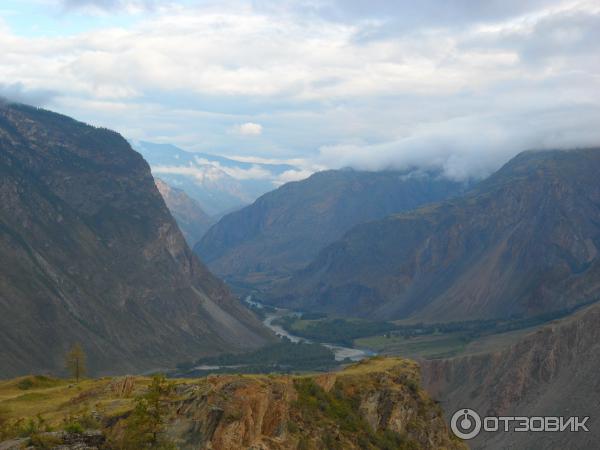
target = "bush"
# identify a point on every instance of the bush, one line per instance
(72, 425)
(25, 384)
(44, 441)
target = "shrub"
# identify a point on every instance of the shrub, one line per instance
(25, 384)
(44, 441)
(72, 425)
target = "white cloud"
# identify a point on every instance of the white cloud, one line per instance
(202, 174)
(470, 146)
(255, 172)
(292, 175)
(249, 129)
(465, 89)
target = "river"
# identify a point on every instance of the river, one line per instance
(340, 352)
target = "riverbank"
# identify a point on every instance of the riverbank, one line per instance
(273, 314)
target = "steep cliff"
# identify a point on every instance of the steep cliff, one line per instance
(89, 253)
(523, 242)
(551, 372)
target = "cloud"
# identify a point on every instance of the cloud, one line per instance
(471, 147)
(248, 129)
(18, 93)
(292, 175)
(255, 172)
(202, 174)
(462, 85)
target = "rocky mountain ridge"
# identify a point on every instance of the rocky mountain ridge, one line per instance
(285, 229)
(89, 253)
(191, 219)
(550, 372)
(523, 242)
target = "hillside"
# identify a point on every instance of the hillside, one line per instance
(374, 404)
(552, 371)
(192, 220)
(523, 242)
(89, 253)
(284, 229)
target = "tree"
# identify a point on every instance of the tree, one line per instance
(145, 426)
(75, 362)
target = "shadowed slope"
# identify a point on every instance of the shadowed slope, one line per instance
(89, 253)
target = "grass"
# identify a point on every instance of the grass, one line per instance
(56, 400)
(426, 347)
(444, 345)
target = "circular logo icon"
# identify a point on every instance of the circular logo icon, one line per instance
(465, 423)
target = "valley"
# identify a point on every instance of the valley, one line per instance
(416, 341)
(299, 225)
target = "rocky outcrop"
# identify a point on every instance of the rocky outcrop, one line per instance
(522, 243)
(375, 404)
(354, 409)
(192, 220)
(89, 253)
(550, 372)
(285, 229)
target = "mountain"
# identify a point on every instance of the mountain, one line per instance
(90, 254)
(550, 372)
(523, 242)
(192, 220)
(375, 404)
(284, 229)
(218, 184)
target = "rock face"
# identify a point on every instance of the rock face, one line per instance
(283, 230)
(192, 220)
(358, 408)
(526, 241)
(551, 372)
(372, 405)
(89, 253)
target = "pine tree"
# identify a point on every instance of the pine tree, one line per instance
(145, 426)
(75, 362)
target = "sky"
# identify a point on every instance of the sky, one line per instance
(456, 84)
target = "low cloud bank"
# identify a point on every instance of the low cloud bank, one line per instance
(472, 147)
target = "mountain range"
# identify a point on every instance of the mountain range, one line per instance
(90, 254)
(219, 185)
(523, 242)
(285, 229)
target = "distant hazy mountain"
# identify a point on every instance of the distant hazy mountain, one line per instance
(192, 220)
(523, 242)
(218, 184)
(89, 253)
(284, 229)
